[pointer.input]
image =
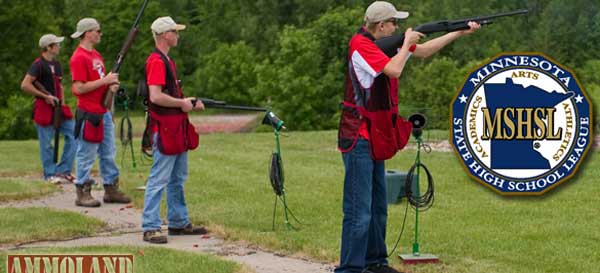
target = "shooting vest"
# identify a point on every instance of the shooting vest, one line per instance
(175, 132)
(375, 105)
(171, 88)
(42, 112)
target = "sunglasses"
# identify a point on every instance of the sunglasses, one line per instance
(394, 21)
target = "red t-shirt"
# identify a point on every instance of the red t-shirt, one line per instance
(368, 62)
(156, 71)
(156, 74)
(87, 66)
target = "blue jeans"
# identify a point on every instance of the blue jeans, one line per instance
(365, 211)
(87, 152)
(168, 171)
(45, 136)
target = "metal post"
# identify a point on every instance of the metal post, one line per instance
(418, 193)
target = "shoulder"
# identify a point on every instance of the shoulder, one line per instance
(35, 67)
(154, 61)
(78, 55)
(153, 57)
(36, 63)
(360, 41)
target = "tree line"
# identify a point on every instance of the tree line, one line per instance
(290, 54)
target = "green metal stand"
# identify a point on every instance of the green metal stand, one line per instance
(286, 210)
(126, 141)
(416, 257)
(415, 247)
(288, 225)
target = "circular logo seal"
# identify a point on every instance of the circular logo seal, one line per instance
(521, 124)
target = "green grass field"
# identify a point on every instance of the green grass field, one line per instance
(470, 228)
(148, 259)
(14, 189)
(20, 225)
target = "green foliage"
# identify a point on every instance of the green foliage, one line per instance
(304, 80)
(15, 118)
(228, 74)
(290, 54)
(590, 79)
(428, 87)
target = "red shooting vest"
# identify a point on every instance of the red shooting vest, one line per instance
(388, 132)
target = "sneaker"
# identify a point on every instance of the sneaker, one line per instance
(188, 230)
(66, 178)
(381, 268)
(54, 180)
(155, 237)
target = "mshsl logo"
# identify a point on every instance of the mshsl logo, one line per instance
(521, 124)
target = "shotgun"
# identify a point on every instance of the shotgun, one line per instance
(109, 96)
(390, 45)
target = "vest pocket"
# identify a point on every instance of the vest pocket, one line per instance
(93, 128)
(171, 134)
(42, 112)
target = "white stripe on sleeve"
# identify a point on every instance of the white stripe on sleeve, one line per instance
(364, 72)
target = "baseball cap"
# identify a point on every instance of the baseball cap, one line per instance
(164, 24)
(85, 24)
(380, 11)
(48, 39)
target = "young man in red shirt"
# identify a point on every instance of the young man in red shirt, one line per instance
(172, 136)
(372, 85)
(47, 71)
(94, 125)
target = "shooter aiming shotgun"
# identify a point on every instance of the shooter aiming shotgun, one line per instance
(109, 96)
(390, 45)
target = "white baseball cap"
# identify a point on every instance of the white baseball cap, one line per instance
(48, 39)
(164, 24)
(380, 11)
(84, 25)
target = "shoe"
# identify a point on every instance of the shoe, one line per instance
(381, 268)
(65, 178)
(188, 230)
(112, 194)
(155, 237)
(84, 195)
(54, 180)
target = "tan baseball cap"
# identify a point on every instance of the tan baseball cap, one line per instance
(48, 39)
(85, 24)
(380, 11)
(164, 24)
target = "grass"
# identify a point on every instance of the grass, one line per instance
(12, 189)
(470, 228)
(21, 225)
(147, 259)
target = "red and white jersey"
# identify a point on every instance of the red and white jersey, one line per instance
(367, 60)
